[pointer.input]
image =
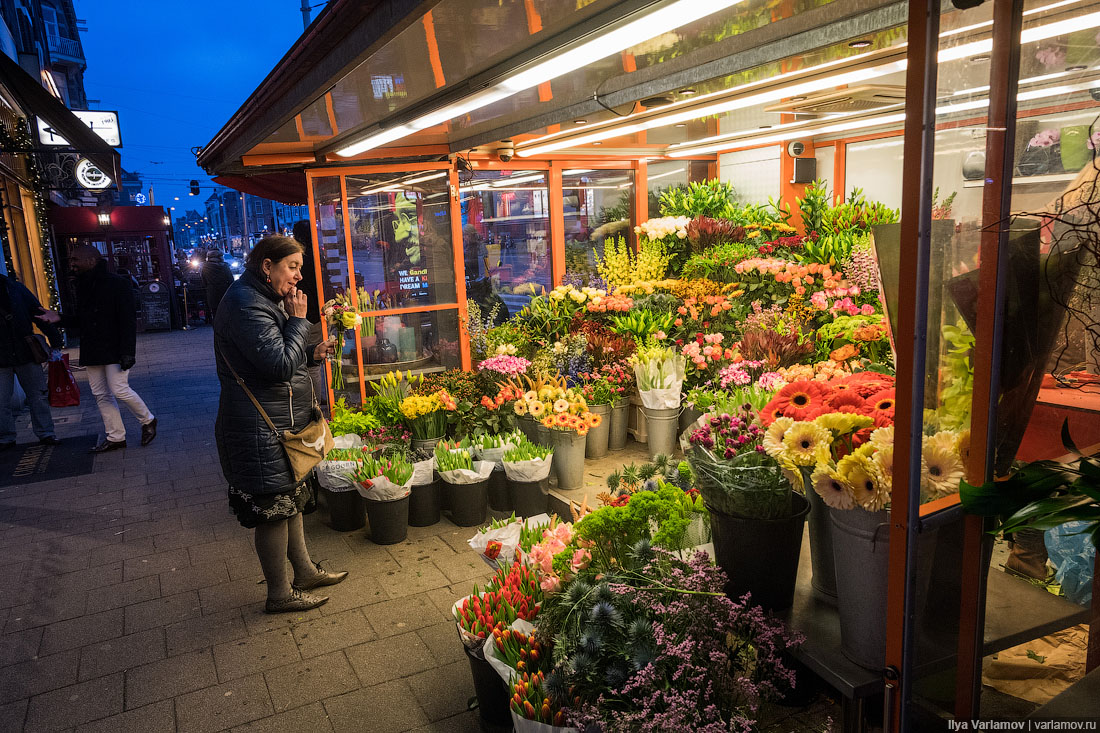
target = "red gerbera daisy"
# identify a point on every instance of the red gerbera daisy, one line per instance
(770, 412)
(803, 400)
(881, 407)
(845, 398)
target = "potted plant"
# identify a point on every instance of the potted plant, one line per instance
(385, 484)
(568, 435)
(598, 393)
(426, 417)
(660, 374)
(465, 483)
(527, 467)
(756, 520)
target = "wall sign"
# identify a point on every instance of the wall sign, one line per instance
(89, 176)
(101, 122)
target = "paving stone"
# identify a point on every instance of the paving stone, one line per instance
(238, 547)
(74, 705)
(443, 642)
(402, 614)
(204, 631)
(411, 552)
(457, 538)
(93, 577)
(81, 631)
(443, 691)
(468, 722)
(170, 677)
(39, 675)
(123, 594)
(12, 715)
(193, 577)
(162, 611)
(183, 538)
(467, 568)
(257, 621)
(153, 718)
(119, 551)
(330, 633)
(444, 598)
(223, 706)
(309, 681)
(224, 596)
(307, 719)
(357, 591)
(390, 708)
(43, 611)
(255, 654)
(371, 560)
(391, 658)
(118, 654)
(161, 562)
(413, 580)
(19, 646)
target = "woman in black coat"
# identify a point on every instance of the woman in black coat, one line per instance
(261, 332)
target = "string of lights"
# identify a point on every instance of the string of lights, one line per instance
(20, 138)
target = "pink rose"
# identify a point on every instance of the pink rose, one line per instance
(550, 584)
(868, 310)
(581, 560)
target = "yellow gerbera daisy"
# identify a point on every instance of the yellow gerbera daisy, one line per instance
(536, 408)
(530, 395)
(773, 436)
(884, 465)
(857, 473)
(793, 474)
(829, 487)
(807, 443)
(842, 423)
(520, 408)
(941, 469)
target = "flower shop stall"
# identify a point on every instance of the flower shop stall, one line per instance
(822, 259)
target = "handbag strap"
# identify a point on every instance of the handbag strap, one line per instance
(247, 391)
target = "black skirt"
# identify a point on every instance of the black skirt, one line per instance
(252, 510)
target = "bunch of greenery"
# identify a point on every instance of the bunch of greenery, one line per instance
(640, 324)
(631, 478)
(714, 199)
(842, 226)
(347, 420)
(957, 376)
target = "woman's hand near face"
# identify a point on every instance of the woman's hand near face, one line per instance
(295, 303)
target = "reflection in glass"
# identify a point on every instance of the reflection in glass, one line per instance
(505, 239)
(416, 341)
(599, 204)
(401, 239)
(328, 216)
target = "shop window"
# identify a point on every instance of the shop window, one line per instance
(506, 239)
(753, 173)
(598, 206)
(401, 239)
(328, 217)
(875, 166)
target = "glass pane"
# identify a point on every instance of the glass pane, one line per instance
(598, 204)
(506, 239)
(416, 341)
(328, 217)
(401, 239)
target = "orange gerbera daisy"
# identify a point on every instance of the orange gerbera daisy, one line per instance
(594, 420)
(880, 406)
(802, 400)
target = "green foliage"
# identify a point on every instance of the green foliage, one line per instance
(717, 263)
(842, 227)
(641, 324)
(509, 333)
(840, 331)
(813, 205)
(957, 373)
(347, 420)
(700, 198)
(1043, 494)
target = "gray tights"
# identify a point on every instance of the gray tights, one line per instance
(275, 543)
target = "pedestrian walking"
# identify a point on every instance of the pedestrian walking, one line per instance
(107, 321)
(261, 337)
(216, 279)
(22, 355)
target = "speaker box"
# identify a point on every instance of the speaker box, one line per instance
(805, 170)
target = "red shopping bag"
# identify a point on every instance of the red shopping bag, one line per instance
(62, 384)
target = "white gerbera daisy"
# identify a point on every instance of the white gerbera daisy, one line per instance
(773, 436)
(829, 487)
(941, 469)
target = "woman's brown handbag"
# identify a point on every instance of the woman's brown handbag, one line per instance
(304, 448)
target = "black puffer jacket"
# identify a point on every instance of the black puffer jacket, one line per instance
(106, 315)
(269, 351)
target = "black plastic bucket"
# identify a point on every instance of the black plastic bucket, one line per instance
(469, 503)
(529, 498)
(345, 510)
(499, 499)
(425, 502)
(492, 694)
(389, 520)
(760, 556)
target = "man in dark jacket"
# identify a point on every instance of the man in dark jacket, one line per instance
(108, 342)
(216, 279)
(19, 311)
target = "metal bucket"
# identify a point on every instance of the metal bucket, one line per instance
(568, 462)
(661, 429)
(616, 435)
(596, 445)
(861, 551)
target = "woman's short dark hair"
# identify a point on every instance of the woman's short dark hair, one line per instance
(275, 248)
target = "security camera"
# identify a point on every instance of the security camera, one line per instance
(506, 151)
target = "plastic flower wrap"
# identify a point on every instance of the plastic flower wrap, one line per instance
(384, 478)
(732, 470)
(660, 374)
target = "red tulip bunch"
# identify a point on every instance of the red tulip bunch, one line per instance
(518, 650)
(529, 700)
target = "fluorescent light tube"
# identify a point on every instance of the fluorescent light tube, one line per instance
(520, 179)
(600, 46)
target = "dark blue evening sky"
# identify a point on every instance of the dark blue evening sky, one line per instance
(176, 71)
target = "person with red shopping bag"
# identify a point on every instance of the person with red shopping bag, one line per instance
(21, 355)
(62, 383)
(107, 319)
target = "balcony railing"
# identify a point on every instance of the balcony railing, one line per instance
(65, 47)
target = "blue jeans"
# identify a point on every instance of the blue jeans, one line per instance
(32, 379)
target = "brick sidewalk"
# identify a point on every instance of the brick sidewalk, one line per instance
(131, 597)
